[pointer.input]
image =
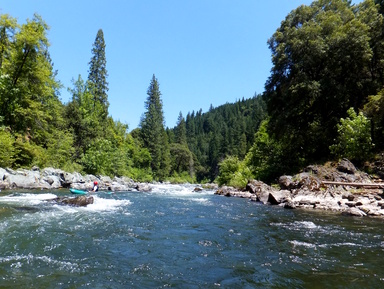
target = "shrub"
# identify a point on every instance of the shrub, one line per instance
(354, 137)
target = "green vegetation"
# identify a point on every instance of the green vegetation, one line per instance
(324, 99)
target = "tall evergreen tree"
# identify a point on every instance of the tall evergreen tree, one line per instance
(98, 74)
(153, 132)
(181, 130)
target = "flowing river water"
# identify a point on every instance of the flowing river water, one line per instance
(175, 237)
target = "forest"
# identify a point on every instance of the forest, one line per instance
(323, 100)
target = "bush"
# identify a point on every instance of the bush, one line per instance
(233, 172)
(7, 149)
(354, 138)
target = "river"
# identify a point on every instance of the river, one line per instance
(175, 237)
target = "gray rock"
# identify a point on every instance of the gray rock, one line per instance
(142, 187)
(346, 166)
(23, 179)
(286, 183)
(354, 212)
(226, 191)
(278, 197)
(80, 201)
(260, 190)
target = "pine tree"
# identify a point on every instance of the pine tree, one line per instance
(97, 77)
(153, 132)
(181, 130)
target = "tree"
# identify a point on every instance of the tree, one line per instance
(322, 60)
(29, 105)
(28, 84)
(181, 156)
(181, 130)
(8, 26)
(153, 132)
(83, 118)
(97, 78)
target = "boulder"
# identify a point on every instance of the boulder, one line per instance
(143, 187)
(354, 212)
(279, 197)
(80, 201)
(346, 166)
(23, 179)
(286, 182)
(260, 190)
(226, 191)
(69, 178)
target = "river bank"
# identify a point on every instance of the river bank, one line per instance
(338, 187)
(51, 179)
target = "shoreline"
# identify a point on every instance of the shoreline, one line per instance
(52, 179)
(336, 187)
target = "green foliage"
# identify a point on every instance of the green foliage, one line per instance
(374, 109)
(100, 158)
(153, 132)
(181, 178)
(265, 159)
(227, 130)
(181, 130)
(181, 159)
(324, 62)
(354, 140)
(233, 172)
(228, 167)
(97, 78)
(60, 151)
(7, 149)
(27, 152)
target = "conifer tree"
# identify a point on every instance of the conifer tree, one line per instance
(98, 74)
(153, 132)
(181, 130)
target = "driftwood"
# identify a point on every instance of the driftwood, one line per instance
(360, 185)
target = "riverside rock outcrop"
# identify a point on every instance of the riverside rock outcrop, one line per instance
(334, 187)
(50, 178)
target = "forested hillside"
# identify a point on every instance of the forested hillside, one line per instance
(227, 130)
(323, 100)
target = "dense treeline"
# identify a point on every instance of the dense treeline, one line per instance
(324, 99)
(227, 130)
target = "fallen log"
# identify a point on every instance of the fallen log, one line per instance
(360, 185)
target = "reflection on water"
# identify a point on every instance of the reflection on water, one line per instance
(175, 237)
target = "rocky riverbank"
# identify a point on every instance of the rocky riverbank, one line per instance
(50, 179)
(335, 187)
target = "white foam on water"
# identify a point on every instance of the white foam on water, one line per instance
(19, 260)
(184, 190)
(305, 224)
(27, 199)
(201, 200)
(100, 204)
(304, 244)
(297, 225)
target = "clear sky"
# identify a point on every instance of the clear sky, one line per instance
(202, 52)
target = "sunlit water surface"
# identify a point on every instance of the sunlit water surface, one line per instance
(175, 237)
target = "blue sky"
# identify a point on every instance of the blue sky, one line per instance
(202, 52)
